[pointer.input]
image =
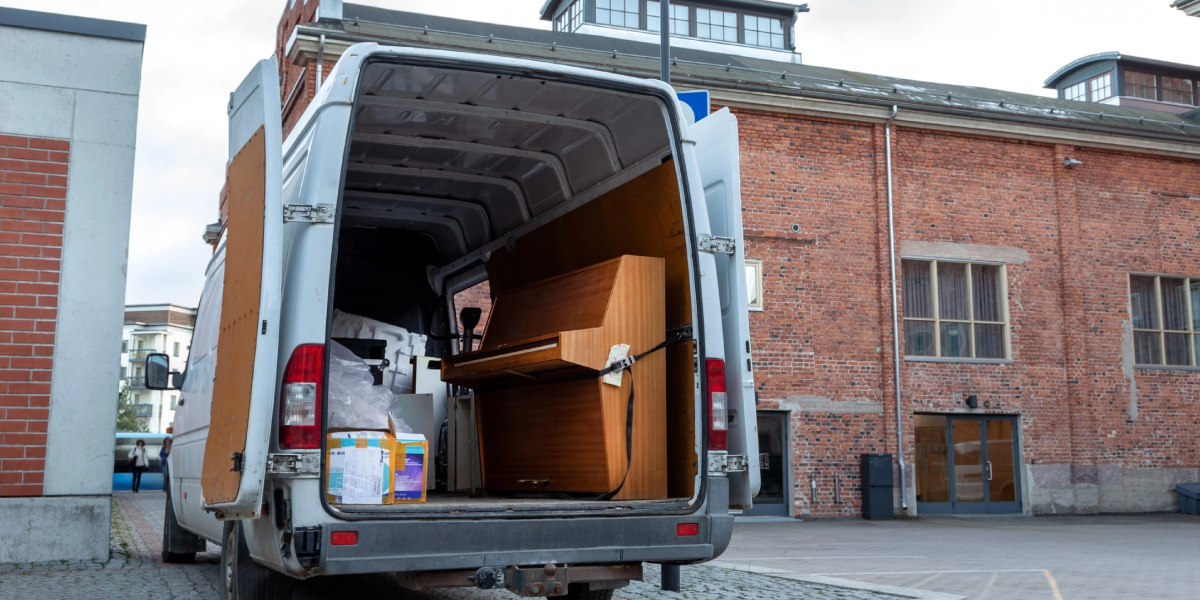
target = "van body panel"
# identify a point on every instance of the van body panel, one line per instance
(236, 446)
(311, 170)
(717, 152)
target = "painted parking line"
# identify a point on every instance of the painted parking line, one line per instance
(1053, 585)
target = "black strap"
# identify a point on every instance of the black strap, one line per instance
(627, 364)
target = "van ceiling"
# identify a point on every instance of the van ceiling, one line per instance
(467, 157)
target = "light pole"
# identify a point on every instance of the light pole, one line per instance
(664, 44)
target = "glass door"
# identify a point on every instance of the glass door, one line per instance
(1001, 466)
(773, 498)
(966, 465)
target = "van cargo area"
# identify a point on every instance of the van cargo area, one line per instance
(555, 209)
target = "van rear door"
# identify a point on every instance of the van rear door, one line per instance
(235, 454)
(717, 150)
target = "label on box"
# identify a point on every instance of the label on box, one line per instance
(360, 469)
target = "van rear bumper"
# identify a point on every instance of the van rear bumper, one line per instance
(387, 546)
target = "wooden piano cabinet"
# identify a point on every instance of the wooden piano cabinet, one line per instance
(546, 423)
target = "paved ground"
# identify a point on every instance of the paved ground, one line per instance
(990, 558)
(134, 572)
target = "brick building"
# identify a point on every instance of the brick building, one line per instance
(68, 119)
(1041, 250)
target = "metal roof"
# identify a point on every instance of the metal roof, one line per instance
(1126, 59)
(722, 71)
(32, 19)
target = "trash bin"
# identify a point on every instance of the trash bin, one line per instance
(877, 487)
(1189, 498)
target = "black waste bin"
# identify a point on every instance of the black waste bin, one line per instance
(1189, 498)
(877, 487)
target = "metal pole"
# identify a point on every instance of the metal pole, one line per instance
(664, 48)
(887, 129)
(670, 578)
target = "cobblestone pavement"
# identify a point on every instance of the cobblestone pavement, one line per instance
(135, 571)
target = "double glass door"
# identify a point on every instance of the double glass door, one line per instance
(967, 465)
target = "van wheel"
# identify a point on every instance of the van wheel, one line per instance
(245, 579)
(580, 591)
(175, 537)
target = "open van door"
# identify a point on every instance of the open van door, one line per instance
(717, 152)
(235, 454)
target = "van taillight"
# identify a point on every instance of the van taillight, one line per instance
(300, 398)
(718, 405)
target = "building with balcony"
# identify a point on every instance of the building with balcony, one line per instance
(750, 28)
(149, 329)
(1121, 80)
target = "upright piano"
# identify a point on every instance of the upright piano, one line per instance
(547, 422)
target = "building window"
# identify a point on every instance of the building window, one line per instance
(1101, 87)
(680, 18)
(754, 284)
(124, 372)
(143, 411)
(1141, 85)
(622, 13)
(174, 402)
(140, 343)
(1166, 318)
(176, 350)
(955, 310)
(716, 25)
(1076, 92)
(763, 31)
(124, 346)
(1177, 90)
(570, 19)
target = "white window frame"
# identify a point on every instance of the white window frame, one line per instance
(1092, 87)
(937, 320)
(757, 280)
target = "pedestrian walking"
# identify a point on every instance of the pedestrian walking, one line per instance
(138, 463)
(163, 453)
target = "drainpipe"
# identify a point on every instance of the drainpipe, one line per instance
(887, 129)
(320, 59)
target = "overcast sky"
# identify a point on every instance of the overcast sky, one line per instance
(196, 53)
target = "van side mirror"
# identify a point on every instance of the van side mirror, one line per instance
(158, 372)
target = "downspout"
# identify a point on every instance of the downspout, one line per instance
(320, 60)
(887, 129)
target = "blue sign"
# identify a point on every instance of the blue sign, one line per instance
(698, 101)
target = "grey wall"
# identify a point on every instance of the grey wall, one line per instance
(85, 90)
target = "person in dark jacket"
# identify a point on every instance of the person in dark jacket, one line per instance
(163, 453)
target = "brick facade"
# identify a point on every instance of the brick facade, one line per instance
(33, 191)
(826, 328)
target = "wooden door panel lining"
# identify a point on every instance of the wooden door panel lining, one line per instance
(239, 326)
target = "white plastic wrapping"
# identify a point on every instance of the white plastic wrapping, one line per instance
(354, 400)
(401, 346)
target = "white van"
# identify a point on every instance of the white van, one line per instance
(411, 173)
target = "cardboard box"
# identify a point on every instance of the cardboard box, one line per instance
(360, 467)
(411, 468)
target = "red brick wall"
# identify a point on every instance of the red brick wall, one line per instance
(33, 191)
(479, 296)
(826, 327)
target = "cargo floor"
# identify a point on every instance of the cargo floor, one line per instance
(442, 502)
